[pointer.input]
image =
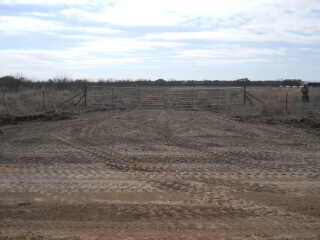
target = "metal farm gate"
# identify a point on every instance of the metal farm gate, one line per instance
(183, 98)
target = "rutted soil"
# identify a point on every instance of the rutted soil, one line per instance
(311, 122)
(156, 174)
(10, 119)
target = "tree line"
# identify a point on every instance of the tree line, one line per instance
(15, 83)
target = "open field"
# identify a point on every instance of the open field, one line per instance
(157, 174)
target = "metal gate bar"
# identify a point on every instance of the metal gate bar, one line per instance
(172, 98)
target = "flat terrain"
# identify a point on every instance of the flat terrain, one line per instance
(156, 174)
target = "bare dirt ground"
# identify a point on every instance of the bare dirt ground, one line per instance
(156, 174)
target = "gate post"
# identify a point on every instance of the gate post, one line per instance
(20, 93)
(286, 99)
(244, 95)
(217, 97)
(85, 95)
(3, 93)
(192, 99)
(112, 98)
(43, 102)
(138, 98)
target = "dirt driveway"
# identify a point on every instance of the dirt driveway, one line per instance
(156, 174)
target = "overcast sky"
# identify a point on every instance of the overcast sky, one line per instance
(169, 39)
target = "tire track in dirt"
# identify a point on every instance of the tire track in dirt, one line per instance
(97, 152)
(195, 178)
(168, 136)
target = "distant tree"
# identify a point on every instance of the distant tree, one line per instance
(243, 82)
(14, 83)
(160, 82)
(292, 82)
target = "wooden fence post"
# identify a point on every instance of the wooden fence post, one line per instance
(85, 95)
(20, 93)
(286, 99)
(217, 96)
(165, 99)
(244, 95)
(138, 97)
(112, 98)
(192, 99)
(44, 106)
(3, 93)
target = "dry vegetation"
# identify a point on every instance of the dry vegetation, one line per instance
(30, 101)
(275, 99)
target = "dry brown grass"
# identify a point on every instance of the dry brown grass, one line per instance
(275, 99)
(31, 101)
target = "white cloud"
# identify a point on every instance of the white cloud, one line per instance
(18, 25)
(172, 12)
(54, 2)
(242, 61)
(73, 12)
(40, 14)
(237, 35)
(96, 53)
(95, 30)
(158, 13)
(317, 50)
(123, 45)
(80, 37)
(130, 15)
(229, 20)
(21, 25)
(51, 59)
(231, 52)
(226, 54)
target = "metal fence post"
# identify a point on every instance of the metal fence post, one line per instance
(164, 99)
(217, 97)
(244, 95)
(3, 93)
(85, 95)
(20, 93)
(44, 106)
(138, 97)
(192, 99)
(112, 96)
(286, 99)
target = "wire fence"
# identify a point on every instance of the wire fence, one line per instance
(34, 100)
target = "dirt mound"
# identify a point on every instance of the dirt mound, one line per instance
(308, 122)
(10, 119)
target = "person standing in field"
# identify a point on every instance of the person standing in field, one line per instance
(305, 93)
